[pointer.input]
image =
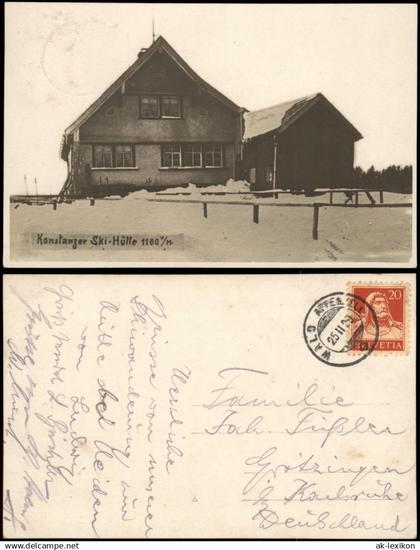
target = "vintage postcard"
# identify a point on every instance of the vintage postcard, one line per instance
(222, 134)
(239, 406)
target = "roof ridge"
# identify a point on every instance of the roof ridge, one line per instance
(294, 101)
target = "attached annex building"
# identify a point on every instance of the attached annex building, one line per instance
(161, 125)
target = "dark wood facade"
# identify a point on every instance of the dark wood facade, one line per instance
(315, 150)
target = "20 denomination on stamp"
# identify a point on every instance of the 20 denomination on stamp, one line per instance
(389, 302)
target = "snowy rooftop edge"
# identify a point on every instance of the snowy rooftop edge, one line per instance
(268, 119)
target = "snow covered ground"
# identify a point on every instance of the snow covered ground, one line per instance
(231, 186)
(226, 235)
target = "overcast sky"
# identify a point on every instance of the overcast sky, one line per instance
(61, 56)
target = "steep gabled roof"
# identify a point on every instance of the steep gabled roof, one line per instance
(280, 117)
(160, 44)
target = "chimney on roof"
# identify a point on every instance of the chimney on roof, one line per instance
(142, 52)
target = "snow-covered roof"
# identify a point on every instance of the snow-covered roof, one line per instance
(279, 117)
(266, 120)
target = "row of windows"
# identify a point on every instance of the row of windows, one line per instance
(192, 155)
(113, 156)
(174, 155)
(165, 106)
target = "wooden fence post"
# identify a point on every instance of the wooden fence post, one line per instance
(381, 197)
(369, 196)
(205, 209)
(357, 198)
(256, 213)
(315, 222)
(92, 202)
(331, 197)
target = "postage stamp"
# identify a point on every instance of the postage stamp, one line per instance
(342, 329)
(387, 312)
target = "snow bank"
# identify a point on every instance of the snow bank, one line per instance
(142, 194)
(231, 186)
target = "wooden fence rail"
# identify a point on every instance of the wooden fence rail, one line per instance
(256, 207)
(349, 193)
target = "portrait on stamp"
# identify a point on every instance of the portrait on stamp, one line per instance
(387, 313)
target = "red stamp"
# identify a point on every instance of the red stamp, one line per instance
(384, 318)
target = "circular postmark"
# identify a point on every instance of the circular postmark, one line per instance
(332, 326)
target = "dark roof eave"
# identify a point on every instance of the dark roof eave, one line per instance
(278, 131)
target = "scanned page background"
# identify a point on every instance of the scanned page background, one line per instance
(114, 406)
